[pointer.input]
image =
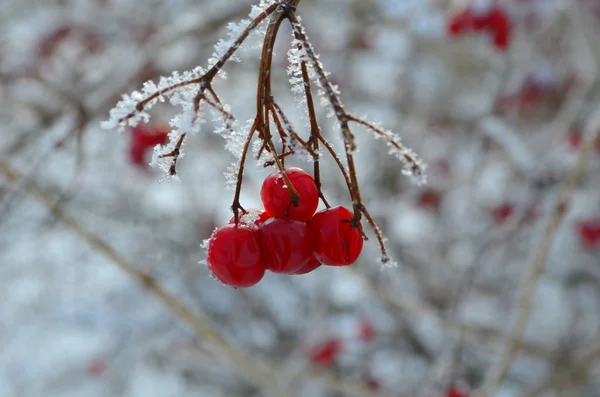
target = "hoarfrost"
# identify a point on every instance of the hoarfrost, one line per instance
(231, 174)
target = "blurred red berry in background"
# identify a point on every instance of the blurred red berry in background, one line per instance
(325, 353)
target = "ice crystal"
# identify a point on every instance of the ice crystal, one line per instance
(231, 175)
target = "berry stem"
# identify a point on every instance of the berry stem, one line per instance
(175, 153)
(235, 206)
(315, 131)
(264, 97)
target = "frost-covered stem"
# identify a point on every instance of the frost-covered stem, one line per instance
(263, 97)
(334, 99)
(281, 121)
(175, 153)
(410, 159)
(263, 94)
(282, 131)
(497, 374)
(228, 118)
(380, 240)
(337, 160)
(315, 131)
(203, 330)
(236, 206)
(349, 144)
(239, 41)
(206, 78)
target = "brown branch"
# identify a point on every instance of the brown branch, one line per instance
(175, 153)
(236, 206)
(206, 78)
(315, 131)
(263, 95)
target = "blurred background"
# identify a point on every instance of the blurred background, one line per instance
(500, 111)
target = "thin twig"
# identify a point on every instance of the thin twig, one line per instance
(206, 78)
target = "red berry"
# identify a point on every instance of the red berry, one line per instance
(575, 140)
(498, 19)
(454, 392)
(479, 22)
(589, 232)
(325, 353)
(276, 196)
(137, 156)
(287, 246)
(97, 367)
(430, 199)
(502, 213)
(252, 218)
(502, 40)
(529, 95)
(234, 256)
(144, 138)
(337, 243)
(498, 23)
(366, 331)
(149, 135)
(312, 264)
(460, 22)
(373, 384)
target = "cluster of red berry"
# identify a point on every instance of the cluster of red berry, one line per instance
(494, 21)
(286, 237)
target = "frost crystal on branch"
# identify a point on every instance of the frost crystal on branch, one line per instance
(133, 108)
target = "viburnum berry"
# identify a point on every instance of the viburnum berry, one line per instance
(97, 367)
(276, 196)
(575, 140)
(337, 243)
(312, 264)
(589, 232)
(326, 353)
(460, 22)
(502, 213)
(366, 332)
(479, 22)
(234, 256)
(372, 384)
(498, 23)
(430, 199)
(286, 245)
(453, 391)
(144, 138)
(252, 218)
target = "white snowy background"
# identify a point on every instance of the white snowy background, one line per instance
(74, 324)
